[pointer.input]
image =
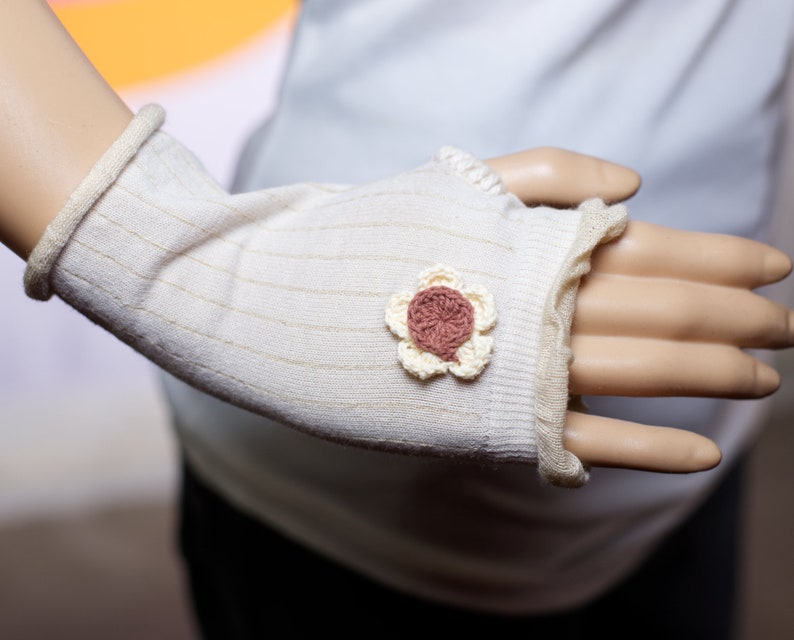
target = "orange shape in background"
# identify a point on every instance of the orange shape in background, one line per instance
(132, 42)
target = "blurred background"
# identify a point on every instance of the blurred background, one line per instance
(87, 461)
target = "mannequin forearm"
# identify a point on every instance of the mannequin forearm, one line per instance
(57, 117)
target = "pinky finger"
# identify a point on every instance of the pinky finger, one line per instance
(607, 442)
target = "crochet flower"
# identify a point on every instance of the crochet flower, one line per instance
(441, 325)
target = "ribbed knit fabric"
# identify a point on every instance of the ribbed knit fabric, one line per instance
(274, 300)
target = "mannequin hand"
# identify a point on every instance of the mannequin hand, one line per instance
(667, 313)
(663, 313)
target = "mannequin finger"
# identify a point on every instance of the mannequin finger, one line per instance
(648, 367)
(651, 250)
(561, 178)
(679, 310)
(607, 442)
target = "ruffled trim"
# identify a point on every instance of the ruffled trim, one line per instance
(474, 170)
(599, 224)
(104, 173)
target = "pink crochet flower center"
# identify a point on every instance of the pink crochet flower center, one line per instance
(440, 319)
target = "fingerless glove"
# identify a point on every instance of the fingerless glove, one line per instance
(426, 313)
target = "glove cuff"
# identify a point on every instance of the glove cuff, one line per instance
(104, 173)
(599, 224)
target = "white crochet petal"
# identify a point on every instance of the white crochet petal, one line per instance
(473, 355)
(422, 364)
(397, 314)
(440, 276)
(484, 307)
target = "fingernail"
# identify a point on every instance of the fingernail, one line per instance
(776, 264)
(767, 379)
(790, 327)
(623, 182)
(706, 456)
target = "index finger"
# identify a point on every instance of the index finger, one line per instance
(654, 251)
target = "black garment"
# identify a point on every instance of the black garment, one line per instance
(249, 582)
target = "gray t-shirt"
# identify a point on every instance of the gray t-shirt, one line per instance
(687, 93)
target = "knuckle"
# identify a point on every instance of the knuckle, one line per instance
(684, 304)
(769, 327)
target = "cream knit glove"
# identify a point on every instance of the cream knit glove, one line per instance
(426, 313)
